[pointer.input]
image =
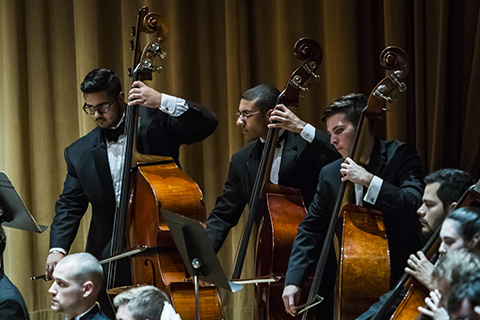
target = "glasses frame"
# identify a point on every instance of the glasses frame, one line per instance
(245, 116)
(90, 110)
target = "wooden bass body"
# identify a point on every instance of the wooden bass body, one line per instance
(364, 266)
(278, 231)
(164, 186)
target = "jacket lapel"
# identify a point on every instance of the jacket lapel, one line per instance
(100, 157)
(253, 163)
(289, 155)
(379, 157)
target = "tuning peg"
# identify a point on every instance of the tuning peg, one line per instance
(130, 74)
(133, 32)
(157, 69)
(147, 64)
(396, 77)
(296, 82)
(131, 45)
(305, 87)
(310, 68)
(380, 92)
(154, 47)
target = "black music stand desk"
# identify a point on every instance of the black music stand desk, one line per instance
(197, 253)
(13, 212)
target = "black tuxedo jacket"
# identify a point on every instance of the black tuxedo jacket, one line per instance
(301, 162)
(400, 195)
(89, 180)
(12, 305)
(94, 314)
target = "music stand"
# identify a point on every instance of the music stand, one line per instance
(197, 253)
(13, 212)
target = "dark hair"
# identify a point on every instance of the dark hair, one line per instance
(3, 241)
(452, 183)
(468, 220)
(102, 79)
(264, 95)
(468, 288)
(351, 105)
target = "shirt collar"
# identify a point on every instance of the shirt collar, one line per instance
(81, 315)
(280, 136)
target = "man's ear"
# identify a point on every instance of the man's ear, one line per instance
(474, 243)
(121, 96)
(87, 288)
(452, 206)
(268, 114)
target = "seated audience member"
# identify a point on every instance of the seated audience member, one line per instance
(12, 305)
(464, 297)
(77, 280)
(443, 188)
(144, 303)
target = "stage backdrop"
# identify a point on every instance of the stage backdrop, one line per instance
(216, 50)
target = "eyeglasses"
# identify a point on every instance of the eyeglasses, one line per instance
(101, 108)
(245, 114)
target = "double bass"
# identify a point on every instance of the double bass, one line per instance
(363, 257)
(417, 292)
(151, 184)
(284, 205)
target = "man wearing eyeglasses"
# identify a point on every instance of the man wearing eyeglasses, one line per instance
(95, 161)
(301, 153)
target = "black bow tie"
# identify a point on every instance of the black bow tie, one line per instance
(113, 134)
(279, 139)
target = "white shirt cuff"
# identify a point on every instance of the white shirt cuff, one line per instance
(373, 190)
(61, 250)
(308, 133)
(172, 105)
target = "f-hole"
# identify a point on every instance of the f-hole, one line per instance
(146, 264)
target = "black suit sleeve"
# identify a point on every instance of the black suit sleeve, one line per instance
(162, 134)
(311, 232)
(404, 196)
(70, 208)
(228, 207)
(198, 122)
(12, 310)
(321, 140)
(399, 198)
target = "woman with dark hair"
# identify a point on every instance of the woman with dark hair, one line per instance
(460, 229)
